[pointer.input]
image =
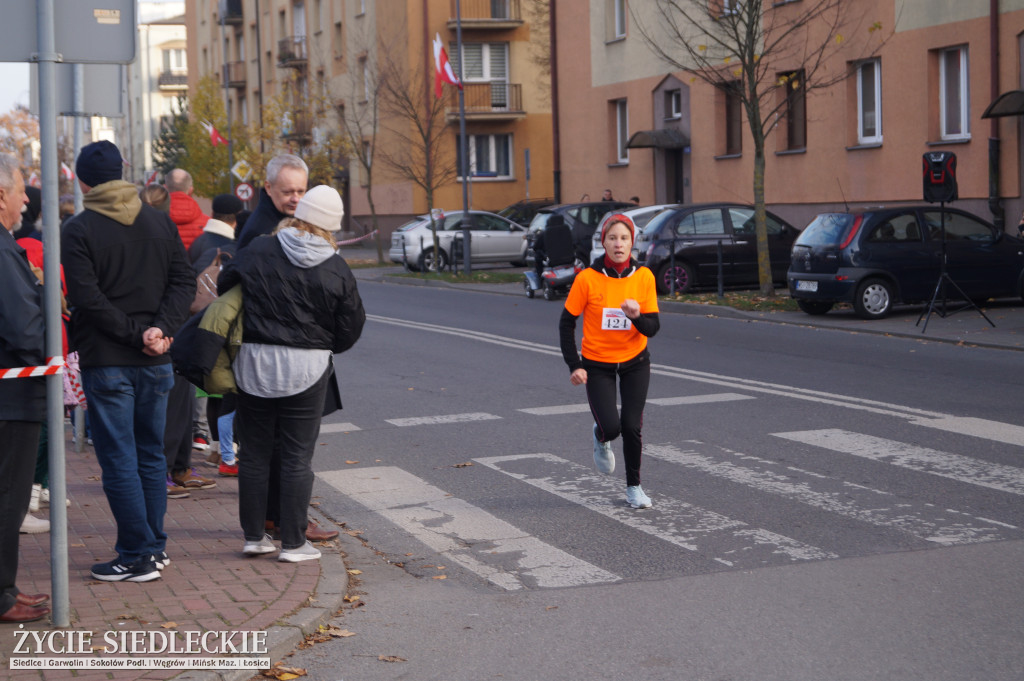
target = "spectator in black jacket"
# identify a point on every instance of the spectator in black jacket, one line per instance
(129, 288)
(22, 400)
(284, 368)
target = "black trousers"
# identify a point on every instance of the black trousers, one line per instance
(284, 428)
(178, 431)
(18, 443)
(634, 377)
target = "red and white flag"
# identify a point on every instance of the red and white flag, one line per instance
(215, 137)
(442, 68)
(66, 171)
(34, 181)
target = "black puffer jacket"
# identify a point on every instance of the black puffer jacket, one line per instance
(301, 307)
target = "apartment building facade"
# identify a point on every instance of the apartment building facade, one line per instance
(325, 59)
(920, 82)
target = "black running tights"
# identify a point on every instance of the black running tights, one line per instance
(634, 378)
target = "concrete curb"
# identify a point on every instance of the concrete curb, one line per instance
(285, 638)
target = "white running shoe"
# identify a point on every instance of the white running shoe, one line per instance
(636, 498)
(304, 552)
(258, 548)
(604, 458)
(33, 525)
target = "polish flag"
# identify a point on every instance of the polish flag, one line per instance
(215, 137)
(442, 67)
(34, 181)
(66, 171)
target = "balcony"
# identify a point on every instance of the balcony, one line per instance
(297, 126)
(487, 14)
(234, 74)
(291, 52)
(172, 81)
(498, 101)
(231, 10)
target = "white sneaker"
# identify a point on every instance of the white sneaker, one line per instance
(258, 548)
(304, 552)
(37, 491)
(34, 525)
(44, 498)
(636, 498)
(604, 458)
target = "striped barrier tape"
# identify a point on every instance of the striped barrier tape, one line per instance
(54, 365)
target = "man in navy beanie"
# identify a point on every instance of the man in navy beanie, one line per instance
(129, 288)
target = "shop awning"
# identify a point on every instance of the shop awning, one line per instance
(665, 138)
(1007, 104)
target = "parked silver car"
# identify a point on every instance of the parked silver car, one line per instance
(492, 237)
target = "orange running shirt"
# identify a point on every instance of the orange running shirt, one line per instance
(599, 298)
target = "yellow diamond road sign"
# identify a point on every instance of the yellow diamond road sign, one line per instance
(241, 170)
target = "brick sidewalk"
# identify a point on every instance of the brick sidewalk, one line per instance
(209, 585)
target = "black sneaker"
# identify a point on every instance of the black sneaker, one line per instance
(143, 570)
(161, 560)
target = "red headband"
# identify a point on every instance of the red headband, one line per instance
(617, 218)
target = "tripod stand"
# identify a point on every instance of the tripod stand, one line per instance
(940, 285)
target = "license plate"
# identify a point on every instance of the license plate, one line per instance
(811, 286)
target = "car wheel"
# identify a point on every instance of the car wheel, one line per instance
(549, 293)
(428, 263)
(527, 288)
(874, 299)
(683, 274)
(814, 306)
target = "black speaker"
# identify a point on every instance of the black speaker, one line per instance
(940, 177)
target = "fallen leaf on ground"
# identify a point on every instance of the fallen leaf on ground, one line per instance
(169, 625)
(463, 465)
(340, 633)
(351, 462)
(440, 577)
(353, 571)
(284, 673)
(391, 658)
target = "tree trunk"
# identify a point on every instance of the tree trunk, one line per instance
(764, 268)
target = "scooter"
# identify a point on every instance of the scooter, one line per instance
(554, 280)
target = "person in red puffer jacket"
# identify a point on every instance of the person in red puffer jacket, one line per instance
(185, 212)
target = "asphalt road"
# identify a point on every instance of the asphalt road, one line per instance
(827, 505)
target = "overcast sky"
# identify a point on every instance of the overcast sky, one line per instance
(13, 85)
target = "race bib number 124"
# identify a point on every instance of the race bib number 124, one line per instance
(614, 319)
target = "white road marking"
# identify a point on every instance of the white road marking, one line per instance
(447, 418)
(1008, 433)
(698, 399)
(558, 409)
(922, 417)
(338, 428)
(953, 466)
(860, 503)
(712, 535)
(488, 546)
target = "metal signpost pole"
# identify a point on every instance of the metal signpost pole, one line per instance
(464, 170)
(46, 58)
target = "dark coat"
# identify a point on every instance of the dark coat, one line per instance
(124, 277)
(317, 307)
(263, 220)
(22, 334)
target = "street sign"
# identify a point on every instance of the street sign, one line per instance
(85, 34)
(242, 171)
(101, 90)
(244, 191)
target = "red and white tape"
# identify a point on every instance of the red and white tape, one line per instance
(54, 365)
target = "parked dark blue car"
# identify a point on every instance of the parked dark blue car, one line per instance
(877, 258)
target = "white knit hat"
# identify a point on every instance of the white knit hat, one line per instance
(321, 206)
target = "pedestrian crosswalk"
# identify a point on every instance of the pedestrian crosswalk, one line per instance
(491, 543)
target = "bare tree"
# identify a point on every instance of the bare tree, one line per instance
(767, 55)
(360, 122)
(420, 147)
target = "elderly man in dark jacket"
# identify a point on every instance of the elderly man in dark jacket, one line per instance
(129, 287)
(22, 400)
(287, 176)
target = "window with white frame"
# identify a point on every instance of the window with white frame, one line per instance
(954, 94)
(869, 102)
(673, 103)
(621, 130)
(485, 63)
(619, 18)
(175, 61)
(489, 156)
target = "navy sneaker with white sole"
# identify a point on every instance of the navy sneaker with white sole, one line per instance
(143, 570)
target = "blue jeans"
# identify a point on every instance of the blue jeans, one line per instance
(226, 433)
(127, 414)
